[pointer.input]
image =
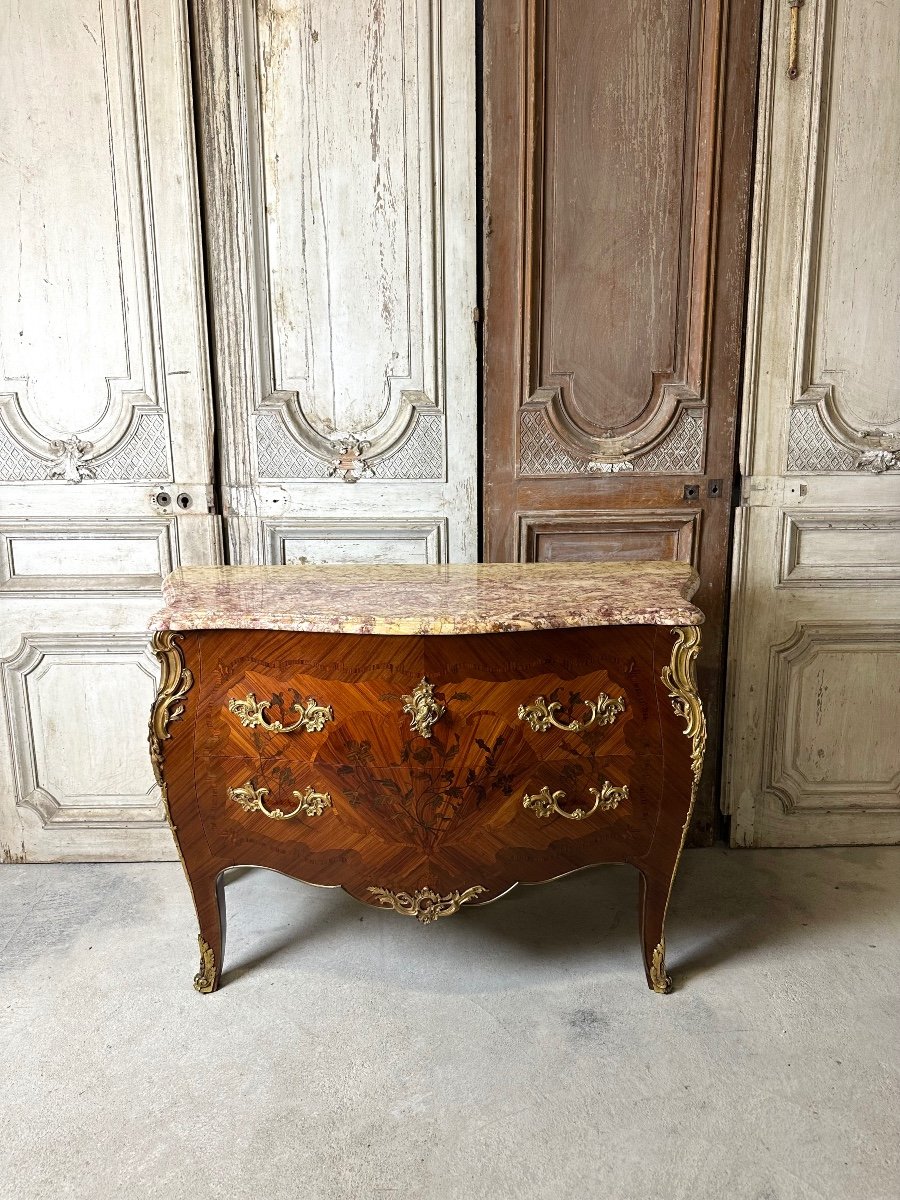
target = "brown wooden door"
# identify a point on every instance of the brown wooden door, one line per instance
(618, 138)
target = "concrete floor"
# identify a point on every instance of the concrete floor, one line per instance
(511, 1052)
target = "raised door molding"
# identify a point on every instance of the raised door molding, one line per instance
(847, 548)
(105, 412)
(74, 701)
(356, 541)
(813, 707)
(82, 393)
(829, 748)
(845, 414)
(340, 182)
(599, 399)
(78, 555)
(342, 148)
(618, 152)
(578, 536)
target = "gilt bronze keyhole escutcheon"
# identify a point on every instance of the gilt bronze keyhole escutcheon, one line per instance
(423, 708)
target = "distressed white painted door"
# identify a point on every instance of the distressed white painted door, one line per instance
(338, 143)
(104, 411)
(813, 753)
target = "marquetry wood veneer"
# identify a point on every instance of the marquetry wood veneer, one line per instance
(424, 772)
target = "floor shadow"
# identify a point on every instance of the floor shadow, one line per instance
(726, 906)
(742, 902)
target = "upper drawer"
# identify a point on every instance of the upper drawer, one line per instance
(264, 693)
(560, 692)
(325, 698)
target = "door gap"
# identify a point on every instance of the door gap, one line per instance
(216, 471)
(481, 217)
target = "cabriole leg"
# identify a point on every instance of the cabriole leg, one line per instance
(209, 899)
(654, 898)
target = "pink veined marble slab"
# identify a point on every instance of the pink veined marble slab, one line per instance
(457, 599)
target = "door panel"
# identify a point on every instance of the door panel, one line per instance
(104, 412)
(633, 535)
(604, 245)
(338, 144)
(617, 195)
(814, 701)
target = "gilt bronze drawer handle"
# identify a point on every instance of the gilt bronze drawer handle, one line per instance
(545, 803)
(425, 905)
(252, 799)
(423, 708)
(540, 715)
(252, 713)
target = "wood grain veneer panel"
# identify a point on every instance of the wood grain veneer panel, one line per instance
(409, 811)
(410, 818)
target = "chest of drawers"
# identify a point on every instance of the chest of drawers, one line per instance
(428, 738)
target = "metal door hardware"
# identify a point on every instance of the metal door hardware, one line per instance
(794, 48)
(197, 498)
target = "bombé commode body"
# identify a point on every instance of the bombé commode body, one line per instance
(428, 737)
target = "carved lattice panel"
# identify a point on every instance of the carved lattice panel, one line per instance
(810, 449)
(679, 453)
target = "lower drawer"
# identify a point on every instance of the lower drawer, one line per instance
(422, 815)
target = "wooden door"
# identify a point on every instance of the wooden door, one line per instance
(105, 442)
(338, 148)
(617, 160)
(814, 710)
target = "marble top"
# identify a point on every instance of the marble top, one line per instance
(464, 598)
